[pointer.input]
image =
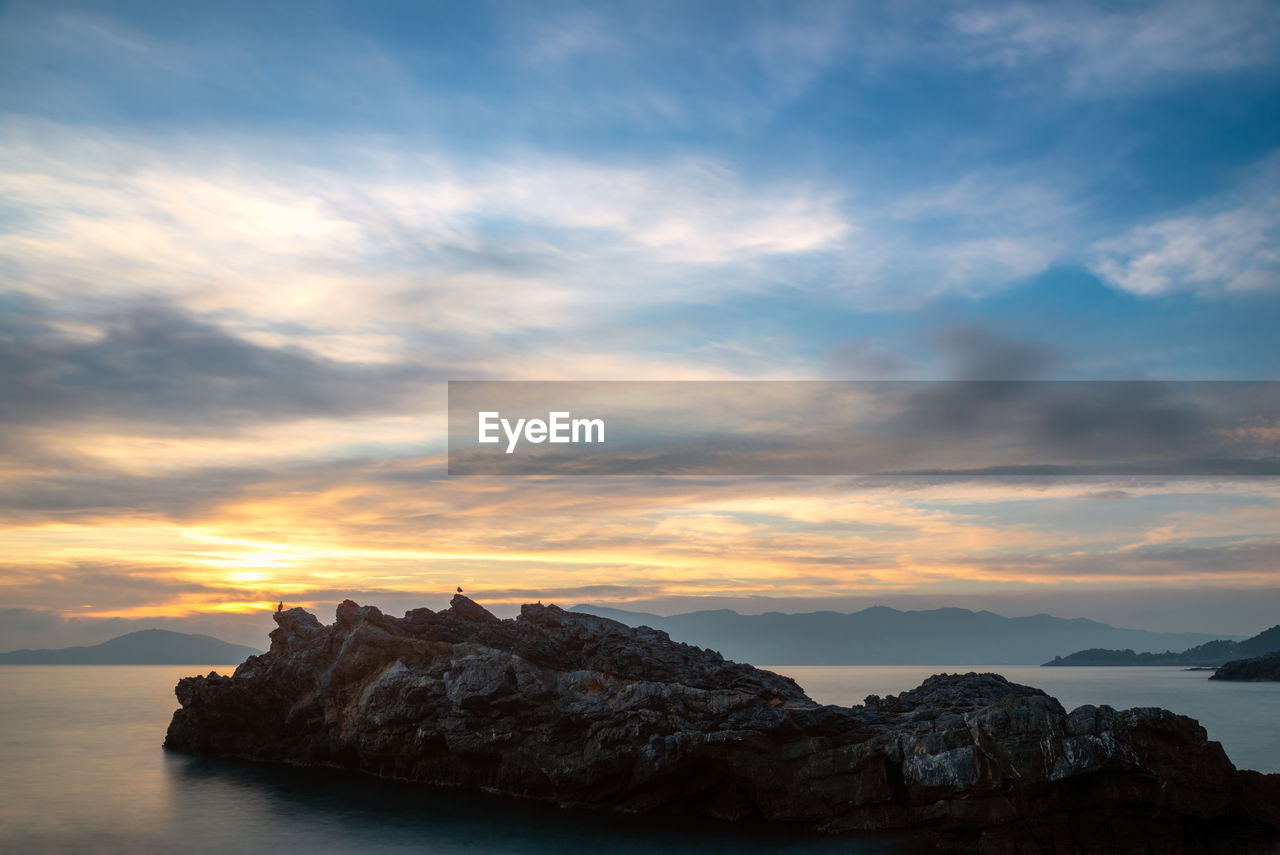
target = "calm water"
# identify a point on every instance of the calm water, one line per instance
(83, 771)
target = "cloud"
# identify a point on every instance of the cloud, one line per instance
(1227, 244)
(1108, 49)
(974, 234)
(551, 41)
(221, 329)
(1186, 560)
(529, 241)
(156, 368)
(460, 247)
(795, 47)
(28, 620)
(204, 542)
(979, 354)
(1107, 495)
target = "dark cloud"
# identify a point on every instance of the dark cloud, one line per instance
(82, 492)
(107, 586)
(1083, 427)
(158, 368)
(1107, 495)
(976, 353)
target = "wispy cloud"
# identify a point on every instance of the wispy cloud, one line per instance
(1226, 244)
(1104, 50)
(551, 40)
(526, 241)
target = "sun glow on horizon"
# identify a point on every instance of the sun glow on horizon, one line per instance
(232, 295)
(799, 541)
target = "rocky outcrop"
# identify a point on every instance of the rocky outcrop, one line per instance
(1256, 670)
(580, 710)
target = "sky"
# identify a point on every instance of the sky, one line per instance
(243, 248)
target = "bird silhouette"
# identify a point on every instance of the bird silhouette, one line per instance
(459, 589)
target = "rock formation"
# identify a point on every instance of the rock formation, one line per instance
(1256, 670)
(583, 711)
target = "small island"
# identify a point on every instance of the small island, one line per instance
(1212, 654)
(582, 711)
(1256, 670)
(143, 647)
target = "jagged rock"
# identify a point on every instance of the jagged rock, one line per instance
(580, 710)
(1258, 669)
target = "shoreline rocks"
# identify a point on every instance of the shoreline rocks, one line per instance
(579, 710)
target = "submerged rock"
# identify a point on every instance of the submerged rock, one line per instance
(1256, 670)
(581, 710)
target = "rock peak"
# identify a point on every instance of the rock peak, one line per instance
(294, 626)
(464, 607)
(293, 615)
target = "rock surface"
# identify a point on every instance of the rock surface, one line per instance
(580, 710)
(1256, 670)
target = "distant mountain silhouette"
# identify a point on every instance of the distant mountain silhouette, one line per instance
(886, 636)
(1267, 641)
(145, 647)
(1211, 654)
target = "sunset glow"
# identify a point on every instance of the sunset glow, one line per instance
(229, 310)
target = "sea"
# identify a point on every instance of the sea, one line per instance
(82, 771)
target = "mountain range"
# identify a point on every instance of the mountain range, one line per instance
(145, 647)
(885, 636)
(1208, 655)
(875, 636)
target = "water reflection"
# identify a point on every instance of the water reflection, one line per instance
(230, 806)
